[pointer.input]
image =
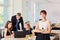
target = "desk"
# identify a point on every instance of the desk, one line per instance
(57, 32)
(13, 39)
(33, 38)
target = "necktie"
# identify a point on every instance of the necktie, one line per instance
(17, 25)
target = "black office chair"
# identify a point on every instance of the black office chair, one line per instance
(0, 34)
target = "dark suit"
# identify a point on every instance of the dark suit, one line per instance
(14, 21)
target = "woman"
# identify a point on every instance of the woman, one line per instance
(7, 31)
(27, 29)
(43, 27)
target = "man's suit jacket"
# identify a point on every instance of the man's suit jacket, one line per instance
(14, 21)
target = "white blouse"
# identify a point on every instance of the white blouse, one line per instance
(43, 25)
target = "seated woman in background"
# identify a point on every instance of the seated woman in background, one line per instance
(27, 28)
(43, 27)
(7, 31)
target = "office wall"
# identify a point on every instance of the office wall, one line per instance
(28, 11)
(15, 6)
(10, 8)
(3, 12)
(51, 6)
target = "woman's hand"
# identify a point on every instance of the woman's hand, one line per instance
(33, 32)
(12, 35)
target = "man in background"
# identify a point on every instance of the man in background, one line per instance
(16, 20)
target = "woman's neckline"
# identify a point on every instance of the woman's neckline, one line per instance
(44, 20)
(28, 29)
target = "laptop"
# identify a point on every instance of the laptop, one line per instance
(19, 34)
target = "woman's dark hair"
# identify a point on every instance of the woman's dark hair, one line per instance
(43, 11)
(27, 24)
(6, 26)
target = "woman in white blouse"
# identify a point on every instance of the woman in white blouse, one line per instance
(43, 27)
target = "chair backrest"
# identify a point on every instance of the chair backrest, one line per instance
(1, 33)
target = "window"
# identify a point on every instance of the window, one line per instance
(3, 12)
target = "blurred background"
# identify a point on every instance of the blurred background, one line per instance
(30, 10)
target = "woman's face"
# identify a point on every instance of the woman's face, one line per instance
(26, 26)
(9, 25)
(43, 15)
